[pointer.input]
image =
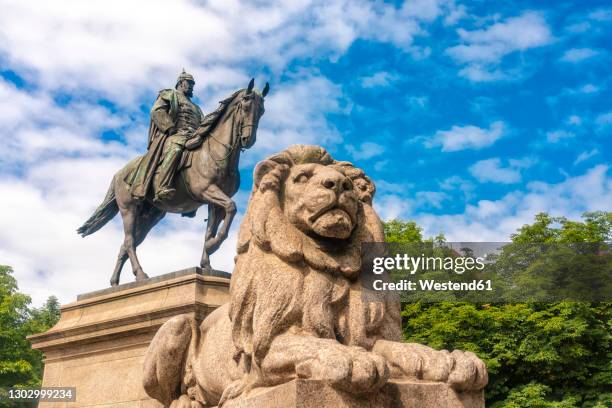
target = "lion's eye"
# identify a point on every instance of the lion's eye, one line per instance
(301, 178)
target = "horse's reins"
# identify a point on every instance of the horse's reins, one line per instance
(231, 147)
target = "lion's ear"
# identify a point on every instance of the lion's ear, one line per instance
(268, 175)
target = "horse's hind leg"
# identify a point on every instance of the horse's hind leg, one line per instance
(148, 217)
(129, 215)
(123, 256)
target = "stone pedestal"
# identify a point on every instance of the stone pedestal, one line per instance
(396, 394)
(99, 343)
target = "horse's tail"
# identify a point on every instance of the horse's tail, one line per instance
(103, 214)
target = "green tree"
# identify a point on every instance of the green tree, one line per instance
(20, 365)
(595, 227)
(549, 355)
(403, 232)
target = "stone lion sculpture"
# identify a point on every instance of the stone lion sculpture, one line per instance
(296, 309)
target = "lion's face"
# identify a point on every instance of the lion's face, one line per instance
(320, 201)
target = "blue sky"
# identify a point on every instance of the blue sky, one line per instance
(470, 116)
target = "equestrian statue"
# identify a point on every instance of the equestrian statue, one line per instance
(191, 160)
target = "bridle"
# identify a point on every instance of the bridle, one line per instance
(230, 148)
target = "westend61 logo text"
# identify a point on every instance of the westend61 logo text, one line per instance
(413, 264)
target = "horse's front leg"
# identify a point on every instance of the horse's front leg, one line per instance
(220, 201)
(211, 230)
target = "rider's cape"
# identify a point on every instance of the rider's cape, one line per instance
(163, 117)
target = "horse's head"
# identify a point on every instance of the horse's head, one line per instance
(251, 108)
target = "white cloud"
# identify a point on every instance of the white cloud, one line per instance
(601, 14)
(455, 15)
(140, 45)
(569, 95)
(495, 220)
(456, 182)
(391, 206)
(384, 187)
(34, 128)
(379, 79)
(481, 73)
(580, 27)
(499, 39)
(365, 151)
(492, 170)
(590, 22)
(604, 119)
(453, 183)
(556, 136)
(467, 137)
(589, 88)
(296, 114)
(574, 120)
(586, 90)
(483, 49)
(419, 102)
(586, 155)
(431, 199)
(578, 54)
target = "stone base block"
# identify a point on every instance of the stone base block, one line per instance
(396, 394)
(98, 345)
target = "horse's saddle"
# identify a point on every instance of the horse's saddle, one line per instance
(191, 144)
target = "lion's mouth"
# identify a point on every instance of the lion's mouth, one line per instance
(333, 205)
(333, 223)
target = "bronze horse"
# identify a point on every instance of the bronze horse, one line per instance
(210, 176)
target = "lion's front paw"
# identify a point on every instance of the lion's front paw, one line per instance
(462, 370)
(349, 368)
(369, 370)
(468, 372)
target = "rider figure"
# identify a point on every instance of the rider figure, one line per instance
(174, 119)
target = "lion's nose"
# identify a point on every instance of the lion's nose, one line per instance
(336, 182)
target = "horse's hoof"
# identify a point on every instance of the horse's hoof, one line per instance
(141, 276)
(114, 283)
(206, 268)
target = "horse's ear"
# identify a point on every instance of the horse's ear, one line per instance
(251, 85)
(265, 90)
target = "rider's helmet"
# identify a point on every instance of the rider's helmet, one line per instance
(184, 76)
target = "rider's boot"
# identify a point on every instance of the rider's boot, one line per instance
(167, 171)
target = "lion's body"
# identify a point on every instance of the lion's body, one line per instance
(296, 303)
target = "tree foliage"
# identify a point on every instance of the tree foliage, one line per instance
(549, 355)
(403, 231)
(20, 365)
